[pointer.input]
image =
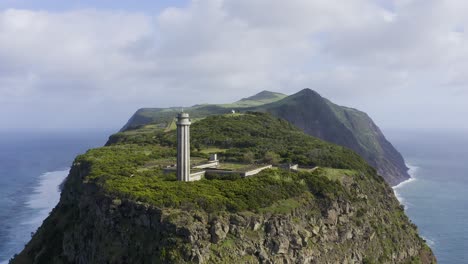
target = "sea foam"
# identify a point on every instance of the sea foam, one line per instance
(45, 196)
(412, 172)
(40, 203)
(430, 243)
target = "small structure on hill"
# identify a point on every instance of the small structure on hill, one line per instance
(289, 166)
(212, 163)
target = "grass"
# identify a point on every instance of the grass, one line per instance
(282, 207)
(147, 128)
(307, 170)
(254, 101)
(160, 162)
(197, 160)
(164, 162)
(130, 166)
(212, 150)
(358, 122)
(233, 114)
(337, 174)
(236, 166)
(171, 126)
(118, 171)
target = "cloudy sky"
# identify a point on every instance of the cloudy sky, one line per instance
(91, 64)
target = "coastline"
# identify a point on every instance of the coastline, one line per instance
(40, 202)
(44, 198)
(412, 172)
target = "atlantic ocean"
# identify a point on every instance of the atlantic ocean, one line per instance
(436, 198)
(32, 166)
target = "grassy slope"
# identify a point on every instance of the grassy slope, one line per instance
(118, 167)
(261, 98)
(164, 116)
(129, 169)
(344, 126)
(377, 150)
(314, 115)
(358, 122)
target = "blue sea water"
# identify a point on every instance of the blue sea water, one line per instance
(32, 166)
(436, 198)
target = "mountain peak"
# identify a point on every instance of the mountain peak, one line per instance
(307, 92)
(264, 95)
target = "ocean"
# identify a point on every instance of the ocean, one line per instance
(32, 166)
(436, 198)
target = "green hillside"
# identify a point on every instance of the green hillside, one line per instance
(264, 97)
(117, 205)
(311, 113)
(164, 116)
(344, 126)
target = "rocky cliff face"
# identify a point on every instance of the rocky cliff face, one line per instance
(117, 205)
(89, 227)
(344, 126)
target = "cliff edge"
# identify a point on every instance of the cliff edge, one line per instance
(117, 205)
(310, 112)
(344, 126)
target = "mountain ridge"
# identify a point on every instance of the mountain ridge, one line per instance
(315, 115)
(344, 126)
(264, 95)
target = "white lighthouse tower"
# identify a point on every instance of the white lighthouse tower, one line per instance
(183, 147)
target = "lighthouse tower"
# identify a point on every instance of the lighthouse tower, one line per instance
(183, 147)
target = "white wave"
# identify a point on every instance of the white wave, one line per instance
(40, 203)
(403, 183)
(430, 242)
(396, 189)
(45, 196)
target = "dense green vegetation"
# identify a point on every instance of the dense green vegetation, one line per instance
(130, 166)
(259, 136)
(264, 97)
(311, 113)
(163, 116)
(116, 170)
(118, 206)
(264, 135)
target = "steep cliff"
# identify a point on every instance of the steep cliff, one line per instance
(314, 115)
(344, 126)
(118, 207)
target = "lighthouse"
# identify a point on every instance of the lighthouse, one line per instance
(183, 147)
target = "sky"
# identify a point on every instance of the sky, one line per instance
(78, 65)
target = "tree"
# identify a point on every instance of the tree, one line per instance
(271, 157)
(249, 157)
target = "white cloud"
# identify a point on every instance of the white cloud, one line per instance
(219, 50)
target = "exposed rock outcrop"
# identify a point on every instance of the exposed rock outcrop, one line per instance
(89, 227)
(117, 205)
